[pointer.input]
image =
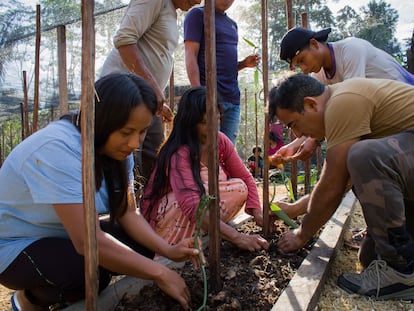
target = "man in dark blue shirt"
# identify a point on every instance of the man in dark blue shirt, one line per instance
(226, 60)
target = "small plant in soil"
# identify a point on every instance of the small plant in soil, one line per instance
(251, 280)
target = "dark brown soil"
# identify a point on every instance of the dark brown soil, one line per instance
(251, 281)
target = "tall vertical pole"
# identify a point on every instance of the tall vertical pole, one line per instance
(25, 107)
(294, 163)
(62, 70)
(88, 150)
(265, 78)
(214, 210)
(37, 70)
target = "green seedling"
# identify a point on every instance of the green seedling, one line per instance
(256, 72)
(202, 209)
(282, 215)
(287, 182)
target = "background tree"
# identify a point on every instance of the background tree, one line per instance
(15, 20)
(375, 22)
(378, 25)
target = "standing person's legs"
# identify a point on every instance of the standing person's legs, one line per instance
(148, 152)
(230, 121)
(382, 172)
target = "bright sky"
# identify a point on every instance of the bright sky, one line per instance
(405, 10)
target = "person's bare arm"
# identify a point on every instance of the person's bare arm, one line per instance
(118, 257)
(132, 58)
(191, 54)
(324, 200)
(301, 148)
(249, 62)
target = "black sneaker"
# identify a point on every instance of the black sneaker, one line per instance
(379, 281)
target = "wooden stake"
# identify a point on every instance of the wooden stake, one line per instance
(62, 70)
(37, 70)
(265, 78)
(214, 209)
(88, 167)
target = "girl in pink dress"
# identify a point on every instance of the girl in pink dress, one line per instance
(180, 178)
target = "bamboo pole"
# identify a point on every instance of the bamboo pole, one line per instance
(214, 210)
(256, 138)
(307, 179)
(2, 152)
(171, 93)
(245, 125)
(88, 173)
(62, 70)
(37, 70)
(265, 78)
(294, 163)
(22, 119)
(26, 129)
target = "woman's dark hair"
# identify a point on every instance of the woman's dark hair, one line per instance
(290, 92)
(190, 112)
(116, 95)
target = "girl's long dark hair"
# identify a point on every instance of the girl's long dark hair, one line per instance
(190, 112)
(116, 96)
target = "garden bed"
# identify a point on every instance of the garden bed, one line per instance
(257, 277)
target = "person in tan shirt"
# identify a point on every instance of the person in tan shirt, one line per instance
(368, 125)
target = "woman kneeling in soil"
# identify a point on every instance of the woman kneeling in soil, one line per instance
(180, 178)
(42, 236)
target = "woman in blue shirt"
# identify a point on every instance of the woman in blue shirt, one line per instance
(42, 221)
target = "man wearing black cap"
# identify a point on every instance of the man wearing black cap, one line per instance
(330, 63)
(337, 61)
(369, 129)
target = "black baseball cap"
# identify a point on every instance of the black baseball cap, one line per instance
(297, 38)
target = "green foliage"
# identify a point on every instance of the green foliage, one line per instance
(375, 22)
(257, 70)
(15, 19)
(282, 215)
(202, 209)
(380, 25)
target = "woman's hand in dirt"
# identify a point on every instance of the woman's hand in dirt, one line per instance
(251, 242)
(171, 283)
(291, 241)
(184, 250)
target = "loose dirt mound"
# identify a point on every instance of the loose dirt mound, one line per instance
(251, 281)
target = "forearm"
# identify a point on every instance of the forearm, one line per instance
(322, 204)
(227, 232)
(119, 258)
(139, 229)
(133, 61)
(193, 73)
(241, 65)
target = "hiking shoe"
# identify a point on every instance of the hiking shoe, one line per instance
(379, 281)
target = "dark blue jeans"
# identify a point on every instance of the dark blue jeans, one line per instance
(230, 121)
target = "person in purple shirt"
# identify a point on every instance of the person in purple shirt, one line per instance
(227, 64)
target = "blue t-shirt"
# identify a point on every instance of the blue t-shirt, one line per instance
(226, 51)
(45, 169)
